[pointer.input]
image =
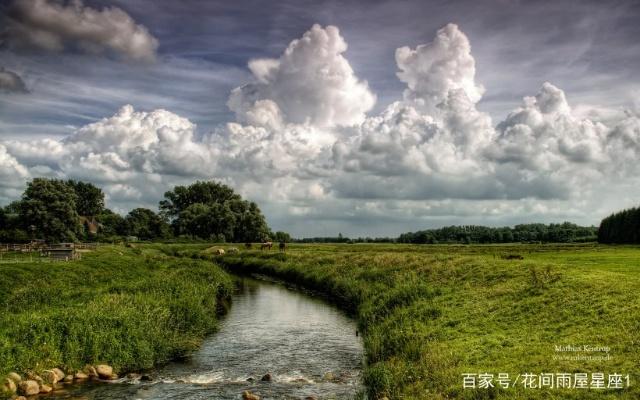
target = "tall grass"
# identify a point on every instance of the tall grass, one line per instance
(431, 313)
(130, 308)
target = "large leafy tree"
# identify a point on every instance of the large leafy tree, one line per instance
(208, 221)
(48, 210)
(111, 224)
(90, 199)
(145, 224)
(251, 225)
(212, 209)
(202, 192)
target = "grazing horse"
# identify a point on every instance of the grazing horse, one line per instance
(266, 245)
(282, 246)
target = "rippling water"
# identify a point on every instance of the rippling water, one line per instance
(309, 347)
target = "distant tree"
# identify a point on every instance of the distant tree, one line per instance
(48, 207)
(621, 227)
(561, 233)
(508, 236)
(282, 237)
(90, 199)
(13, 208)
(146, 224)
(11, 230)
(212, 209)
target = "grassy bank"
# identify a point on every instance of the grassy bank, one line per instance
(432, 313)
(130, 308)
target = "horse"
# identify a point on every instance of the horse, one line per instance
(282, 246)
(266, 245)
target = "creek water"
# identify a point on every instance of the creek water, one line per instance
(309, 347)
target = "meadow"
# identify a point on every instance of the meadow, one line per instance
(430, 314)
(129, 307)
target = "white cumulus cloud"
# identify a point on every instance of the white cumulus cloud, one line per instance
(433, 70)
(311, 83)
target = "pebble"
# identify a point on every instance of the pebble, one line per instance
(266, 378)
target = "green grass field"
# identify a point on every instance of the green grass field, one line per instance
(130, 308)
(428, 313)
(432, 313)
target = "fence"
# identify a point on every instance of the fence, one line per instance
(23, 259)
(40, 252)
(86, 246)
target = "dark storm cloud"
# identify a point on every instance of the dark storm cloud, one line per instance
(55, 25)
(11, 82)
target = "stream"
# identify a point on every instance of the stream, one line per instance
(309, 347)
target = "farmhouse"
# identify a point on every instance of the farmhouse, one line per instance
(90, 224)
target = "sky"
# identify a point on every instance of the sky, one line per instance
(368, 118)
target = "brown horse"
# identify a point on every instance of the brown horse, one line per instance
(266, 245)
(282, 246)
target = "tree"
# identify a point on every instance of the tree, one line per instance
(621, 227)
(90, 199)
(561, 233)
(181, 197)
(208, 221)
(251, 225)
(49, 207)
(111, 224)
(282, 237)
(212, 209)
(13, 208)
(145, 224)
(10, 227)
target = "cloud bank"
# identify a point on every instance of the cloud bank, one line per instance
(56, 25)
(304, 146)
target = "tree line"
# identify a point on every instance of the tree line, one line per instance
(468, 234)
(68, 211)
(525, 233)
(622, 227)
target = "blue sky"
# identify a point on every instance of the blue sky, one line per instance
(306, 175)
